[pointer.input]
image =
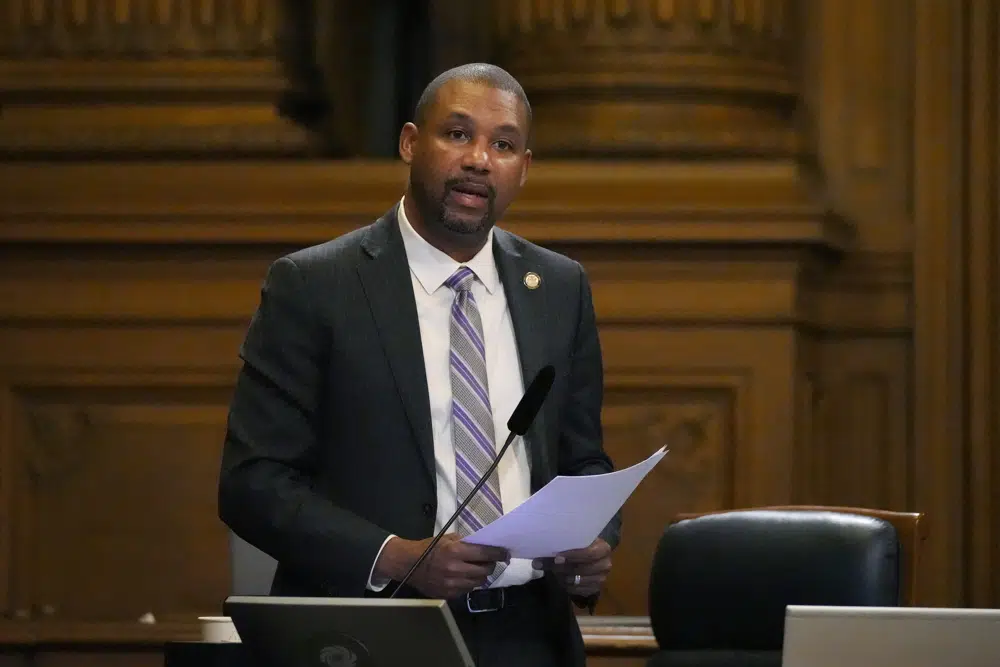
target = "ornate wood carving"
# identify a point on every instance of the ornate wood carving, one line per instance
(139, 77)
(58, 442)
(655, 77)
(118, 459)
(35, 29)
(692, 415)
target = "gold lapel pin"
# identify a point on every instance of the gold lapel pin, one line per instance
(532, 280)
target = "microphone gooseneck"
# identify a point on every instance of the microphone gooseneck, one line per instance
(518, 424)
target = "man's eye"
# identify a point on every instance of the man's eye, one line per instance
(456, 134)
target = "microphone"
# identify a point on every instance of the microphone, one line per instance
(519, 422)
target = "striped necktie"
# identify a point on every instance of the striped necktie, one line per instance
(471, 415)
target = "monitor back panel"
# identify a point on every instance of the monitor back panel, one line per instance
(880, 636)
(336, 632)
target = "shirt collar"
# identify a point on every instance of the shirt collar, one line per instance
(433, 267)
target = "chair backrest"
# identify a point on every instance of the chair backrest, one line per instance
(251, 570)
(722, 580)
(910, 529)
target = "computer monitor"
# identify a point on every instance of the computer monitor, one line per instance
(347, 632)
(818, 636)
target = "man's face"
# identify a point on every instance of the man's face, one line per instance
(469, 160)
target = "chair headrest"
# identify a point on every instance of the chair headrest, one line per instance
(723, 580)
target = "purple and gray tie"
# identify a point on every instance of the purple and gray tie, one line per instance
(472, 416)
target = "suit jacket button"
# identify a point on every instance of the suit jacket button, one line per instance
(428, 509)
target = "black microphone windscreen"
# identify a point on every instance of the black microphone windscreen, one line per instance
(520, 420)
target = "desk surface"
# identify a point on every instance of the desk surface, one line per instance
(603, 636)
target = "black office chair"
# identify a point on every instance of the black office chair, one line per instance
(720, 582)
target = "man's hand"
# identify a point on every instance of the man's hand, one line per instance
(591, 564)
(452, 569)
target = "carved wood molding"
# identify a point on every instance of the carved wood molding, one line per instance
(131, 77)
(187, 283)
(869, 292)
(137, 28)
(58, 441)
(300, 202)
(87, 108)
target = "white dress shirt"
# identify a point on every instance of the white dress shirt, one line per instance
(429, 269)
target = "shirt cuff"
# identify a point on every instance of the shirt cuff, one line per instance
(377, 584)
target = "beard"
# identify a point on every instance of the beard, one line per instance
(434, 208)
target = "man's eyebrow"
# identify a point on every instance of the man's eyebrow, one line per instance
(506, 128)
(458, 115)
(509, 129)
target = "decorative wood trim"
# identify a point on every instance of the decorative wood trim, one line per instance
(167, 106)
(214, 78)
(173, 285)
(307, 202)
(868, 293)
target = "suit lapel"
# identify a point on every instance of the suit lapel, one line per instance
(385, 277)
(528, 312)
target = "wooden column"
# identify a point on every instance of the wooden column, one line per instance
(982, 137)
(654, 77)
(957, 314)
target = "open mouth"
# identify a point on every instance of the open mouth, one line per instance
(472, 189)
(471, 195)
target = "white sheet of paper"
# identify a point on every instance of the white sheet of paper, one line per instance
(567, 513)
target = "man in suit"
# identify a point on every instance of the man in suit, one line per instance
(379, 373)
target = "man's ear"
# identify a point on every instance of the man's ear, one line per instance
(407, 142)
(524, 168)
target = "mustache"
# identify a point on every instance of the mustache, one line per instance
(452, 183)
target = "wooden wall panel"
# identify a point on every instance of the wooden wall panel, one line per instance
(864, 421)
(712, 397)
(117, 473)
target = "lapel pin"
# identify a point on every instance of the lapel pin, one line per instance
(532, 280)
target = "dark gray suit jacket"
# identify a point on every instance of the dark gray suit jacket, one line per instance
(329, 446)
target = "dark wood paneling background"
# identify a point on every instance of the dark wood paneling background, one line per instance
(788, 211)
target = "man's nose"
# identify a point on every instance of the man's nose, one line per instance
(477, 157)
